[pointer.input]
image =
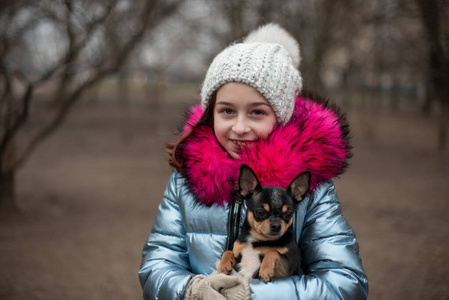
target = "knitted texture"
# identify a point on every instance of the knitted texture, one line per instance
(316, 139)
(218, 286)
(264, 61)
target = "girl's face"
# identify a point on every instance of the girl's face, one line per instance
(241, 116)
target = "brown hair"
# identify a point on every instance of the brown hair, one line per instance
(174, 150)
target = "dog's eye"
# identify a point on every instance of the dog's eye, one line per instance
(260, 213)
(288, 215)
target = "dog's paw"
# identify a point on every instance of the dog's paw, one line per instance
(266, 274)
(225, 267)
(227, 263)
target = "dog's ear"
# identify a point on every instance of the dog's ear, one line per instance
(300, 185)
(248, 182)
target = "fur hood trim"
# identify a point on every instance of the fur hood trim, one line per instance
(316, 139)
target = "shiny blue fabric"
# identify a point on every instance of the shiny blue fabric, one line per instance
(188, 238)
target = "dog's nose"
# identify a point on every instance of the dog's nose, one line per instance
(275, 227)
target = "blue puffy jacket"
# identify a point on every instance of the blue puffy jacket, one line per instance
(188, 239)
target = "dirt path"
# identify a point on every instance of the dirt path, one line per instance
(89, 196)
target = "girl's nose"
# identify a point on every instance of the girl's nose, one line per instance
(241, 127)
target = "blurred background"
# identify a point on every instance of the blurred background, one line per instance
(91, 90)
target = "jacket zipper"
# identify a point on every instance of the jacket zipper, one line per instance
(234, 222)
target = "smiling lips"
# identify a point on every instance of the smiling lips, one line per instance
(242, 142)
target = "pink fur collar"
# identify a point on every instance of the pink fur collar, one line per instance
(316, 139)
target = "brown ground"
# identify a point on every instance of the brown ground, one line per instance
(89, 195)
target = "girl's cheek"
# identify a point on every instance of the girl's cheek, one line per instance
(265, 133)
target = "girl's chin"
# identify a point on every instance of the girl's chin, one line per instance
(233, 152)
(234, 155)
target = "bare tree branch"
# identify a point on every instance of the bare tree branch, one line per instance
(151, 15)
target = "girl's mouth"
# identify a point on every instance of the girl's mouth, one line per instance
(242, 143)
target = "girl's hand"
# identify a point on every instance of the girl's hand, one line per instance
(217, 286)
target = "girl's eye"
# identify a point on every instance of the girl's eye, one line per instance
(227, 111)
(258, 112)
(260, 213)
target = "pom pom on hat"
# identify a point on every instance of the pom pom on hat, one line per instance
(273, 33)
(267, 60)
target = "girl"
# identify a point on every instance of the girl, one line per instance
(251, 114)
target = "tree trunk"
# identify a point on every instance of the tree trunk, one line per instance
(7, 179)
(443, 122)
(434, 22)
(7, 193)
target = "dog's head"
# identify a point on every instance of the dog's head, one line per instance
(270, 208)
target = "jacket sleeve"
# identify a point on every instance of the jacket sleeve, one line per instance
(164, 271)
(331, 262)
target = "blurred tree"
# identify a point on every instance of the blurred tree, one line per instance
(435, 19)
(85, 41)
(319, 32)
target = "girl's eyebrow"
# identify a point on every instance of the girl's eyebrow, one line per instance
(260, 103)
(224, 103)
(252, 104)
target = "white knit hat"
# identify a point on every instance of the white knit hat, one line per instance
(268, 60)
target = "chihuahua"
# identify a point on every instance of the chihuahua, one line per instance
(266, 247)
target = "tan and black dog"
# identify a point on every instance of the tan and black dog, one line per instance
(266, 247)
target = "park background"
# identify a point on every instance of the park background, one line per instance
(91, 90)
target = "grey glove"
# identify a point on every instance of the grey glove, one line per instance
(208, 288)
